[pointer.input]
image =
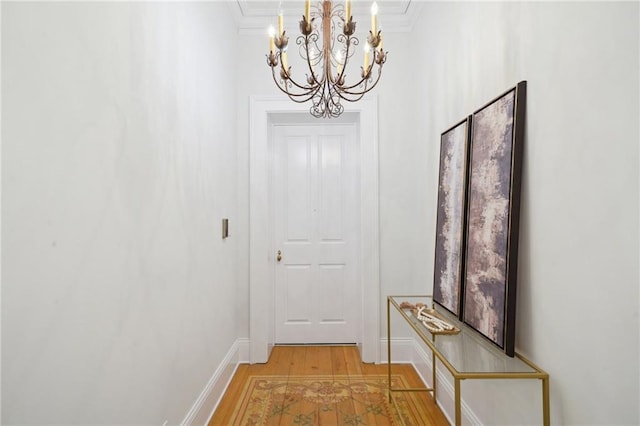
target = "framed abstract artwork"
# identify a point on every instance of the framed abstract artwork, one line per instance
(450, 222)
(491, 255)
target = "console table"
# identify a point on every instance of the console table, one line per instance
(466, 355)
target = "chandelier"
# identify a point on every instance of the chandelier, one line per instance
(326, 44)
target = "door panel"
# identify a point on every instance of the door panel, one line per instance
(315, 195)
(298, 284)
(297, 159)
(331, 298)
(331, 181)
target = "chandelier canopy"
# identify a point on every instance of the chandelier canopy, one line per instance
(326, 44)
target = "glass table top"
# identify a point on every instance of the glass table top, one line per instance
(467, 351)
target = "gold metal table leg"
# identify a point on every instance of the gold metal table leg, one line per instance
(434, 371)
(456, 394)
(546, 415)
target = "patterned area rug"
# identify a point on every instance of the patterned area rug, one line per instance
(326, 400)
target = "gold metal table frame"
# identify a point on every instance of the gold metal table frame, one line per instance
(518, 367)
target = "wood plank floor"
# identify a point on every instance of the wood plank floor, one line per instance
(289, 361)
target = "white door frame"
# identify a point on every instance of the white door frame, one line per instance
(261, 258)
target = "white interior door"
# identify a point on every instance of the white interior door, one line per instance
(316, 231)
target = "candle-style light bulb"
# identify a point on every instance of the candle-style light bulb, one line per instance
(340, 61)
(280, 21)
(347, 10)
(272, 42)
(313, 59)
(374, 18)
(366, 56)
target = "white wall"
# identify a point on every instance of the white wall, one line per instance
(578, 264)
(119, 162)
(405, 257)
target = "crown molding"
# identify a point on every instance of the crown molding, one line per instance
(254, 17)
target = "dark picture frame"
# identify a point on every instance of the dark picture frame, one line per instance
(493, 216)
(451, 215)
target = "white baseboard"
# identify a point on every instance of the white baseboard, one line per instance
(411, 351)
(243, 350)
(210, 397)
(402, 351)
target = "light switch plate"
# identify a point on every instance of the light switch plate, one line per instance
(225, 228)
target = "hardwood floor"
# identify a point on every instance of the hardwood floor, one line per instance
(341, 362)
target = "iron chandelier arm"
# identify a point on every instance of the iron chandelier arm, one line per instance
(295, 96)
(285, 79)
(282, 84)
(313, 38)
(366, 82)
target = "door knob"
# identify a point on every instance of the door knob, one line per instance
(279, 256)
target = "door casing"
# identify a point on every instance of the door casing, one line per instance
(263, 112)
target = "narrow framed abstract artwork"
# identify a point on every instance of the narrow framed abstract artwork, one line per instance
(491, 255)
(450, 222)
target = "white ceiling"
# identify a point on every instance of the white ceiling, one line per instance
(255, 16)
